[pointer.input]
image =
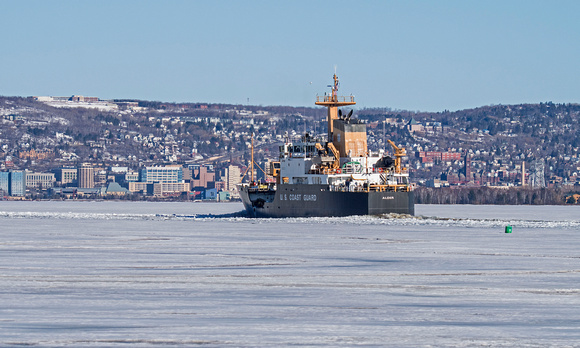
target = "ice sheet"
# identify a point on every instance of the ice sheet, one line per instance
(185, 274)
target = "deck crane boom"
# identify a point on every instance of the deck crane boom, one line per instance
(399, 153)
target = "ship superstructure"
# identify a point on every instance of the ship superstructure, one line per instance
(336, 177)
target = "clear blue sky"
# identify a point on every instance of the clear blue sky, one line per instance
(413, 55)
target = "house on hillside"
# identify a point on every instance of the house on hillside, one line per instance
(414, 126)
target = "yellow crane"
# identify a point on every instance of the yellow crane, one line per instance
(330, 146)
(399, 153)
(336, 163)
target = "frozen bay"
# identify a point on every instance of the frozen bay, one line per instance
(148, 274)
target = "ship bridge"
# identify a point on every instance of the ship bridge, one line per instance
(298, 150)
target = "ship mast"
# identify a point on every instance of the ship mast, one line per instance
(252, 163)
(333, 102)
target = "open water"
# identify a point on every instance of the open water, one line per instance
(127, 274)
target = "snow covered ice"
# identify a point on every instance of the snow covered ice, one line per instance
(185, 274)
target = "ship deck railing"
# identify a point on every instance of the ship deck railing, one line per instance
(395, 188)
(262, 187)
(334, 99)
(371, 188)
(329, 171)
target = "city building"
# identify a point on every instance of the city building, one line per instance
(467, 168)
(141, 187)
(65, 175)
(131, 176)
(211, 194)
(167, 174)
(186, 173)
(40, 180)
(231, 176)
(80, 98)
(4, 183)
(17, 183)
(34, 154)
(414, 126)
(100, 177)
(223, 196)
(219, 185)
(86, 176)
(119, 170)
(114, 189)
(170, 188)
(431, 156)
(201, 175)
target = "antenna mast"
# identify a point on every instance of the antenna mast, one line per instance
(252, 165)
(333, 102)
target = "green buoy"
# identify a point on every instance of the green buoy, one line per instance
(508, 229)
